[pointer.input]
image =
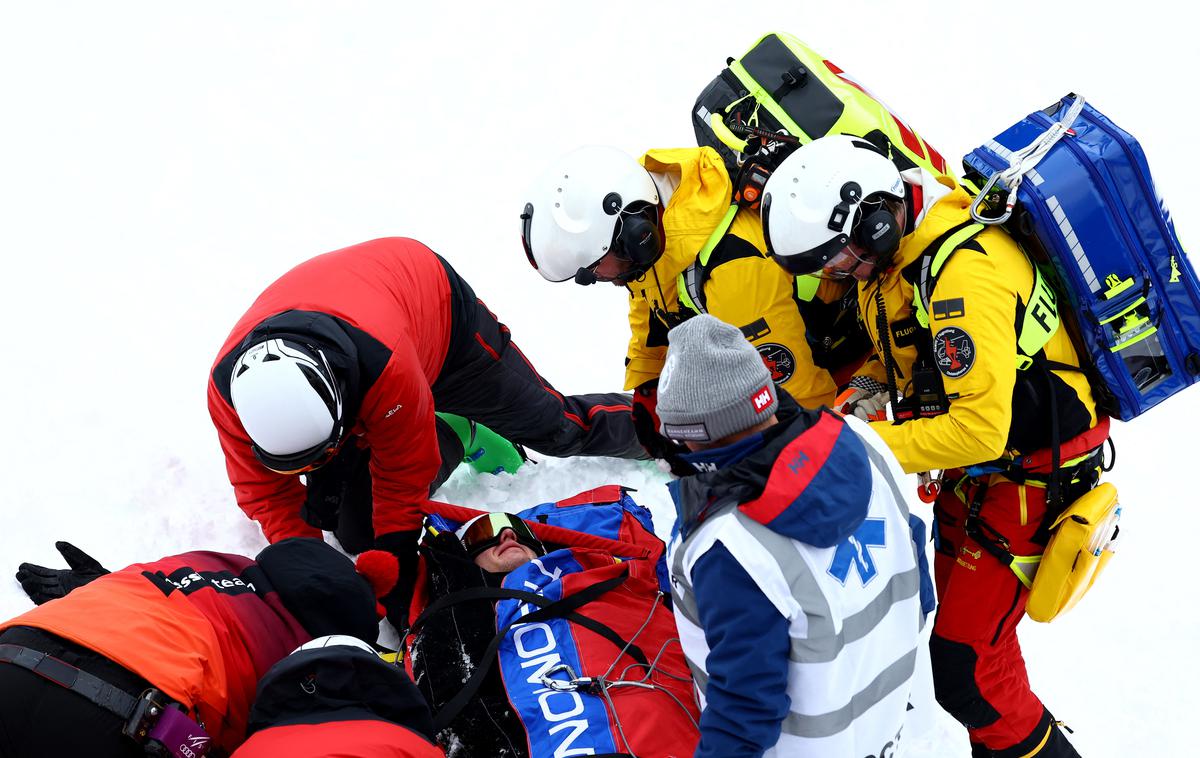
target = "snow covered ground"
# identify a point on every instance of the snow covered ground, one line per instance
(161, 163)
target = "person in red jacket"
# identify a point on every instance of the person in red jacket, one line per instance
(336, 696)
(335, 373)
(105, 653)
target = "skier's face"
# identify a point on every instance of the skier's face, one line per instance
(505, 556)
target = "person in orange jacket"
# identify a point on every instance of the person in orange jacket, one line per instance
(982, 384)
(167, 650)
(336, 696)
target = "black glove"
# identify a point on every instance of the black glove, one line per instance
(646, 423)
(403, 545)
(42, 583)
(340, 483)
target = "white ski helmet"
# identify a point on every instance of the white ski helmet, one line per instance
(586, 203)
(289, 403)
(334, 640)
(826, 194)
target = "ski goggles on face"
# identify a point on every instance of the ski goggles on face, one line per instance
(484, 533)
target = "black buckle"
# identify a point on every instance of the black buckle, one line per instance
(851, 194)
(149, 707)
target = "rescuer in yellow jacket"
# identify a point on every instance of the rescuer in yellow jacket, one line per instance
(982, 384)
(972, 321)
(668, 231)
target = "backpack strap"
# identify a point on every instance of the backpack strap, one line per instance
(933, 259)
(1037, 322)
(690, 283)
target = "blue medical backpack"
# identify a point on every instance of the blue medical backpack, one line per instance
(1088, 208)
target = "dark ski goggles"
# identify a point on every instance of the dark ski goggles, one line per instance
(484, 532)
(302, 462)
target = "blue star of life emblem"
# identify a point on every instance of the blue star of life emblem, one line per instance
(855, 551)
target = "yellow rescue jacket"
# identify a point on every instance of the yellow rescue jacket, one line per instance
(748, 290)
(973, 314)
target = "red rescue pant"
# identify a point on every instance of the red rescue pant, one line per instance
(979, 674)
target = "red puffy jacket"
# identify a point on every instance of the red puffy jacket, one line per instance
(386, 305)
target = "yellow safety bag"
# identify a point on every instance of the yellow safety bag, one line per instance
(1081, 543)
(782, 94)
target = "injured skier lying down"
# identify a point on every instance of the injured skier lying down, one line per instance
(549, 632)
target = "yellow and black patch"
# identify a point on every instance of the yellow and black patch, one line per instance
(756, 330)
(952, 308)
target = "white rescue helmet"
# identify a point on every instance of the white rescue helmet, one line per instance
(335, 640)
(289, 403)
(825, 195)
(588, 202)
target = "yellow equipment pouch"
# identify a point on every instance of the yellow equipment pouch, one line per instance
(1081, 543)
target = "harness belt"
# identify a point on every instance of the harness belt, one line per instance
(1071, 452)
(150, 719)
(996, 544)
(63, 674)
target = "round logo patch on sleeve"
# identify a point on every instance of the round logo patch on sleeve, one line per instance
(954, 351)
(779, 361)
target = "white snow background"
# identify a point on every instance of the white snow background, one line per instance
(161, 163)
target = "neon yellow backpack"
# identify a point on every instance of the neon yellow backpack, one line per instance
(1081, 544)
(782, 94)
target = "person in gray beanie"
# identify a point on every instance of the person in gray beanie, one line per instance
(714, 385)
(791, 528)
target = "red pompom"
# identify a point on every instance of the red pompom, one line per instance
(380, 568)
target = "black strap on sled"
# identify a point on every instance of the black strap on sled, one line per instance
(503, 593)
(564, 608)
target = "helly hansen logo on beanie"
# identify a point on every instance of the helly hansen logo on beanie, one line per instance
(762, 399)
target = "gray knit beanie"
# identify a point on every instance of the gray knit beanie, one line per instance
(714, 383)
